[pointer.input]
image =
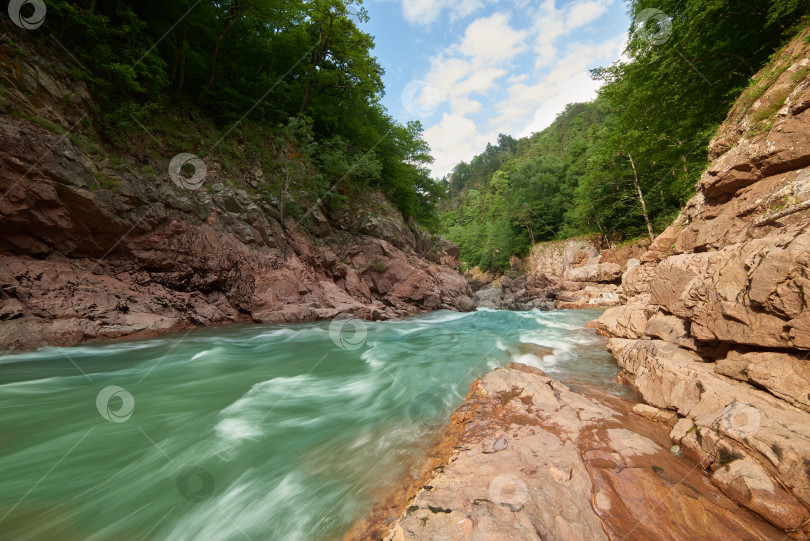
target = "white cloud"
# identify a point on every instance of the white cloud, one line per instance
(579, 88)
(474, 64)
(491, 39)
(462, 106)
(452, 140)
(568, 81)
(425, 12)
(551, 23)
(469, 68)
(481, 93)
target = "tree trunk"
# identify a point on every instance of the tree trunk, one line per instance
(641, 198)
(531, 232)
(601, 229)
(307, 96)
(229, 22)
(181, 78)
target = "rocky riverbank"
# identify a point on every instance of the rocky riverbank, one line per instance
(95, 247)
(715, 325)
(714, 334)
(573, 274)
(525, 457)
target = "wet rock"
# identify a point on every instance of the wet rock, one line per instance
(576, 467)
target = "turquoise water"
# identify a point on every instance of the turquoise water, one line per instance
(250, 432)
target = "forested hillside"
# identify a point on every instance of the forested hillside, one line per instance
(291, 83)
(623, 166)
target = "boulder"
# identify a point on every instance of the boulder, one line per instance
(623, 322)
(670, 329)
(636, 281)
(727, 289)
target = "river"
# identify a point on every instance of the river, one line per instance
(251, 432)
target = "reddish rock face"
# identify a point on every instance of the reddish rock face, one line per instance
(717, 322)
(92, 247)
(527, 458)
(77, 262)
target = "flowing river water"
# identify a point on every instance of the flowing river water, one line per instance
(251, 432)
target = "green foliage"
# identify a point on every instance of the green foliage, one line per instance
(103, 181)
(290, 81)
(517, 192)
(53, 128)
(647, 132)
(378, 265)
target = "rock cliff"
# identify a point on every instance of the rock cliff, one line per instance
(716, 324)
(98, 247)
(573, 274)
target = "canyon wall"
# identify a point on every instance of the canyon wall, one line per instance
(94, 246)
(715, 324)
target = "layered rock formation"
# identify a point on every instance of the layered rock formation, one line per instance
(583, 275)
(524, 292)
(94, 247)
(526, 458)
(716, 325)
(573, 274)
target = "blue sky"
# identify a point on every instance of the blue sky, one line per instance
(470, 69)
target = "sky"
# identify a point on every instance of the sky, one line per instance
(471, 69)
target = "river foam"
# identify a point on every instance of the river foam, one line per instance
(288, 435)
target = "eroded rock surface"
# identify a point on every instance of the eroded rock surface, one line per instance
(716, 325)
(531, 459)
(573, 274)
(95, 249)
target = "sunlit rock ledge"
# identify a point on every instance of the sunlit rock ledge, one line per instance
(526, 457)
